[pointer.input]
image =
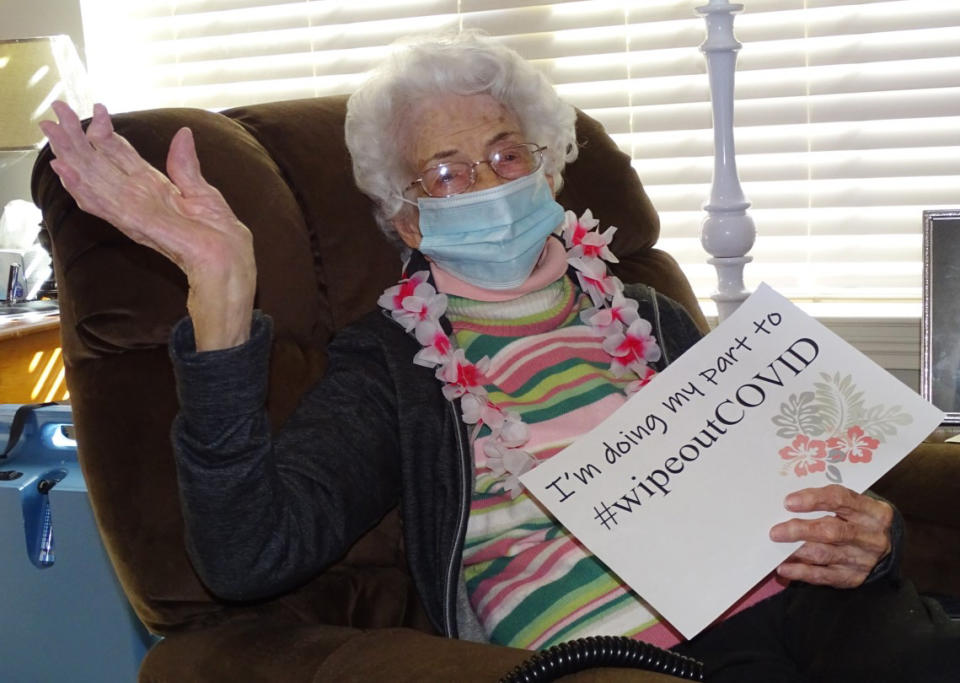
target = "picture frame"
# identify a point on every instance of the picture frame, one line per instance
(940, 322)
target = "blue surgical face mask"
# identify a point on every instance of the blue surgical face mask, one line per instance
(491, 238)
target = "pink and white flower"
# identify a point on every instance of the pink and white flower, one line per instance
(508, 463)
(639, 383)
(392, 298)
(414, 300)
(436, 344)
(423, 305)
(477, 409)
(575, 229)
(509, 429)
(594, 279)
(596, 245)
(621, 313)
(583, 241)
(633, 349)
(460, 376)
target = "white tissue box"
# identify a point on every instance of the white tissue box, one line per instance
(7, 258)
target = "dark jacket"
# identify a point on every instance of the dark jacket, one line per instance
(265, 512)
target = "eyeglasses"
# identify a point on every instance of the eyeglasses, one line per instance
(455, 177)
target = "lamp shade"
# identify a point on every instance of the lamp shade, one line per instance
(33, 73)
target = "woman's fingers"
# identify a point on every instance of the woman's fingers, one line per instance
(83, 186)
(68, 175)
(827, 564)
(113, 147)
(69, 123)
(834, 530)
(860, 509)
(97, 153)
(102, 171)
(100, 126)
(183, 166)
(81, 167)
(835, 576)
(64, 137)
(181, 216)
(840, 549)
(857, 561)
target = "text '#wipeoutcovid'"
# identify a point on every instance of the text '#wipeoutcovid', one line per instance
(728, 413)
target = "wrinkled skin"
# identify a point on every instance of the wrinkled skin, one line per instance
(839, 549)
(179, 215)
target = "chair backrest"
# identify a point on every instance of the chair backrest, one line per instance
(322, 262)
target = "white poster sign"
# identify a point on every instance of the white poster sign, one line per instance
(678, 489)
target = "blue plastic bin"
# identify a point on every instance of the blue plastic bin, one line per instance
(63, 616)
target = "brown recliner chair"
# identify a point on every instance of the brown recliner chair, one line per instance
(322, 262)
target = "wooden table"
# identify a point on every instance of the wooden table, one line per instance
(31, 366)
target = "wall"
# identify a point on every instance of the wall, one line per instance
(893, 343)
(28, 19)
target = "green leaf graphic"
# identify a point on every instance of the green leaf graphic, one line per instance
(832, 409)
(837, 455)
(798, 416)
(833, 474)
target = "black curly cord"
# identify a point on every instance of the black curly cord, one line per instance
(601, 651)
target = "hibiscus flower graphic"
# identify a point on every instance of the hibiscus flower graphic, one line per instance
(833, 426)
(806, 455)
(855, 446)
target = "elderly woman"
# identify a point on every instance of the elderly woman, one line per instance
(494, 355)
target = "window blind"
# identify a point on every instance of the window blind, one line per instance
(847, 113)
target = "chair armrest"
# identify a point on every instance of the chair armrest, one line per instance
(406, 656)
(254, 651)
(925, 487)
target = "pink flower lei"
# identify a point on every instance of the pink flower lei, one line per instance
(418, 307)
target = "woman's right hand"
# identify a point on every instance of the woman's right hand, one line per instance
(181, 216)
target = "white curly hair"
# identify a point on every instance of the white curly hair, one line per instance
(467, 63)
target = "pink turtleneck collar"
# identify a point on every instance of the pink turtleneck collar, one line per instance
(550, 267)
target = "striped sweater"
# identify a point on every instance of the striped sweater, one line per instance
(530, 582)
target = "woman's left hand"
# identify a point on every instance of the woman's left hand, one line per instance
(840, 549)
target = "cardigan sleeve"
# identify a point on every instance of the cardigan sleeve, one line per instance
(266, 512)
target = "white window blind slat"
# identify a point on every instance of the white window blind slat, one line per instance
(867, 106)
(858, 166)
(852, 222)
(923, 191)
(889, 134)
(847, 112)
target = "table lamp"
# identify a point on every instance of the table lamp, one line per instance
(33, 73)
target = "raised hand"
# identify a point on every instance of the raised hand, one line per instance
(840, 549)
(181, 216)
